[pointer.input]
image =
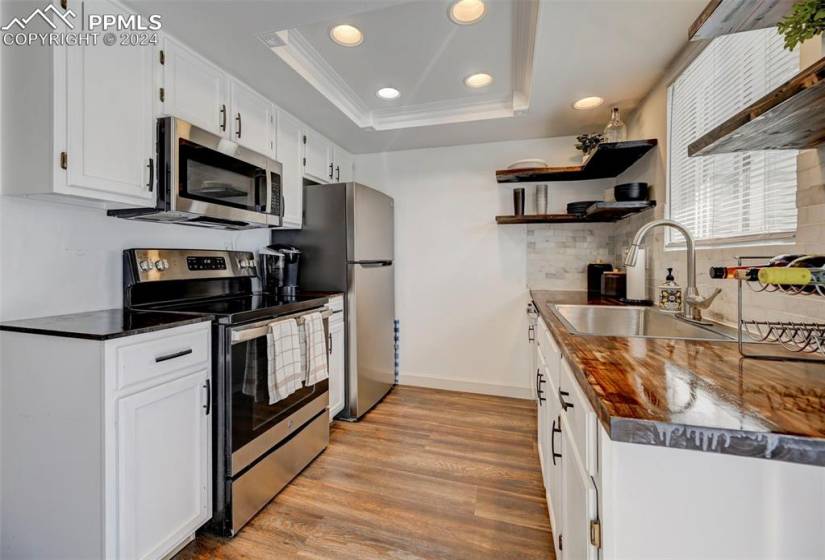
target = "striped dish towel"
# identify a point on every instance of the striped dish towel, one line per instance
(284, 370)
(315, 348)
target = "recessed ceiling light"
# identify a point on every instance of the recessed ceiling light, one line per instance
(346, 35)
(588, 103)
(465, 12)
(387, 93)
(478, 80)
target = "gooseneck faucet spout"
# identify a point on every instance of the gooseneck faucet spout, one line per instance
(694, 303)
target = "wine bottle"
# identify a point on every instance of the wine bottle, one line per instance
(749, 272)
(733, 272)
(792, 276)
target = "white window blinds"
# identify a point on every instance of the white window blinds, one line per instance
(730, 197)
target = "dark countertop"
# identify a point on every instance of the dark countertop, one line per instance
(694, 394)
(102, 325)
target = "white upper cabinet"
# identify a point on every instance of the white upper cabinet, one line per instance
(252, 120)
(195, 90)
(317, 157)
(290, 144)
(109, 118)
(344, 166)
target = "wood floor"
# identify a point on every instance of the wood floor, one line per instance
(427, 474)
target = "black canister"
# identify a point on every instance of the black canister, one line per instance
(594, 276)
(518, 202)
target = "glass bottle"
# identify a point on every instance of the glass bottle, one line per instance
(615, 131)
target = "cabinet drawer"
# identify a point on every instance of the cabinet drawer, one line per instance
(138, 359)
(579, 419)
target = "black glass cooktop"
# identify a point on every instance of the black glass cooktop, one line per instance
(247, 307)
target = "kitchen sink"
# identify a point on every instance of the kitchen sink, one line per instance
(644, 322)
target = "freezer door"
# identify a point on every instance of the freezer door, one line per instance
(371, 329)
(372, 225)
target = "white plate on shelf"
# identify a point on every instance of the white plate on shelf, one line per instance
(531, 163)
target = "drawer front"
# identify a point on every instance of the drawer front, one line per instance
(550, 351)
(579, 419)
(140, 359)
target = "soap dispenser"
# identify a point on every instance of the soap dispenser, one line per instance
(670, 294)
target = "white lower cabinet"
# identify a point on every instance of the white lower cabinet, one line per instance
(164, 465)
(117, 463)
(614, 500)
(337, 365)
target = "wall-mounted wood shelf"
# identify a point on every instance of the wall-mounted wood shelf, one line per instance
(607, 160)
(722, 17)
(791, 117)
(597, 213)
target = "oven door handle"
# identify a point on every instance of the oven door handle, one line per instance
(242, 335)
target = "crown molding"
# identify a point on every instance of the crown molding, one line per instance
(294, 49)
(525, 26)
(299, 54)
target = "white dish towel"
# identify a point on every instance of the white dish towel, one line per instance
(285, 370)
(316, 348)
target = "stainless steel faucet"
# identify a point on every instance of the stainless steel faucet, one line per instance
(694, 303)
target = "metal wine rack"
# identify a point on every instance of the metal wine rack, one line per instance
(804, 340)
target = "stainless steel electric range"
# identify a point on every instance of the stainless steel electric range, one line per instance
(257, 447)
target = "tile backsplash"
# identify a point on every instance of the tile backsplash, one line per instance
(557, 255)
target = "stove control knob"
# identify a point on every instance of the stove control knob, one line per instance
(145, 265)
(161, 264)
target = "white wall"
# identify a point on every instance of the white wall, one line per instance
(461, 280)
(59, 258)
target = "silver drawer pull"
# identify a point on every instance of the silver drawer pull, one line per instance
(173, 355)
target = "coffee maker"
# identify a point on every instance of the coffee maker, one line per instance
(279, 269)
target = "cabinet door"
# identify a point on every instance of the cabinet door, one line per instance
(579, 505)
(252, 119)
(194, 89)
(344, 166)
(164, 466)
(337, 370)
(110, 120)
(317, 157)
(289, 139)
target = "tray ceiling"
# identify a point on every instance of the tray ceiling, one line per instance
(415, 48)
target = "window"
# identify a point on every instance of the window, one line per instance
(730, 197)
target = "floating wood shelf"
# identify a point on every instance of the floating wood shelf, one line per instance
(599, 212)
(722, 17)
(609, 159)
(791, 117)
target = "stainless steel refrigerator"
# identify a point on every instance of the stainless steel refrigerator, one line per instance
(347, 244)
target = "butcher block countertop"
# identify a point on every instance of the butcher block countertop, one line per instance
(698, 395)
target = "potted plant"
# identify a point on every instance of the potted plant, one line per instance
(587, 143)
(805, 20)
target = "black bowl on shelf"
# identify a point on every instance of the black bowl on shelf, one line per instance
(630, 192)
(580, 208)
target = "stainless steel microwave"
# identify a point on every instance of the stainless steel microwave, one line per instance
(207, 180)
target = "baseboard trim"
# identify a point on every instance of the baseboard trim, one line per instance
(465, 386)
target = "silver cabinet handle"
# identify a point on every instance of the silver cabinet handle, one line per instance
(151, 166)
(223, 117)
(329, 337)
(208, 406)
(173, 355)
(238, 120)
(337, 172)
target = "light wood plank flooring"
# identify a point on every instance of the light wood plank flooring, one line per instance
(427, 474)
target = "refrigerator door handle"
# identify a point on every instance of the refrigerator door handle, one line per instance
(368, 264)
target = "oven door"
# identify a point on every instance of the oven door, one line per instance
(214, 177)
(256, 425)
